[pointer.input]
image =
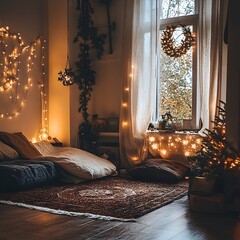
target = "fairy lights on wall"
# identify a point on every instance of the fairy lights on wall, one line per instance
(16, 63)
(43, 133)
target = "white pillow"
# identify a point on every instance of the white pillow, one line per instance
(7, 152)
(44, 147)
(80, 164)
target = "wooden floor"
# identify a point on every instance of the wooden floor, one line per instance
(173, 221)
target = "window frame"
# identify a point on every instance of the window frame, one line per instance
(193, 21)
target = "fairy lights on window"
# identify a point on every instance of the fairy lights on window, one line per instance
(16, 63)
(126, 96)
(167, 145)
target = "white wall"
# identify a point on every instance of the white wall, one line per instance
(25, 17)
(59, 95)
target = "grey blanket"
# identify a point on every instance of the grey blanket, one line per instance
(23, 174)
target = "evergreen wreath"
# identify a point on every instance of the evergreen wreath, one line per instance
(168, 42)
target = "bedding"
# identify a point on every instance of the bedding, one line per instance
(75, 165)
(20, 144)
(7, 152)
(18, 174)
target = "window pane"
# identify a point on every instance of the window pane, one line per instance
(176, 8)
(176, 85)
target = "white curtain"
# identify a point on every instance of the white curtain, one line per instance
(211, 28)
(140, 50)
(141, 45)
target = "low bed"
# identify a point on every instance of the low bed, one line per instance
(24, 165)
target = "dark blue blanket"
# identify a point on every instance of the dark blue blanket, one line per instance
(23, 174)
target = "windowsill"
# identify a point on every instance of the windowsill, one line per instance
(175, 145)
(183, 131)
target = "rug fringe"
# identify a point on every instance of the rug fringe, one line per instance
(72, 214)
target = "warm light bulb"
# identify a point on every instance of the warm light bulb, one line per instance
(134, 158)
(44, 136)
(187, 153)
(198, 140)
(34, 140)
(151, 139)
(194, 146)
(163, 152)
(154, 146)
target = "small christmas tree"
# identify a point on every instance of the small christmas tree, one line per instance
(216, 155)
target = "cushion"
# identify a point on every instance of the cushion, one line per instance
(159, 170)
(21, 144)
(45, 147)
(80, 164)
(7, 152)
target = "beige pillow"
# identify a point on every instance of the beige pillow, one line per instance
(44, 147)
(7, 152)
(80, 164)
(21, 144)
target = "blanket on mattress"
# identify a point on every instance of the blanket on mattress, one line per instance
(22, 174)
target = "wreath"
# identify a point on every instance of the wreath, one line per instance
(169, 41)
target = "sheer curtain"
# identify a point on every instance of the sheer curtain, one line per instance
(140, 50)
(140, 67)
(211, 26)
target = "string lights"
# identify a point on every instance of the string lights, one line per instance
(43, 132)
(216, 155)
(174, 144)
(171, 44)
(133, 156)
(165, 145)
(16, 62)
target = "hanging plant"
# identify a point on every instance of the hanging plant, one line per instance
(89, 39)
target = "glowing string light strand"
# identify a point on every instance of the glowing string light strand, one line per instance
(44, 131)
(14, 54)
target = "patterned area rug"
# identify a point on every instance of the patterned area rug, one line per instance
(112, 198)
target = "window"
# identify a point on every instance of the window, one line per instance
(177, 85)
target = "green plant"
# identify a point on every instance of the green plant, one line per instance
(88, 39)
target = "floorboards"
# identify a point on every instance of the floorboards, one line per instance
(171, 222)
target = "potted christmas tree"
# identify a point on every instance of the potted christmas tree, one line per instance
(217, 163)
